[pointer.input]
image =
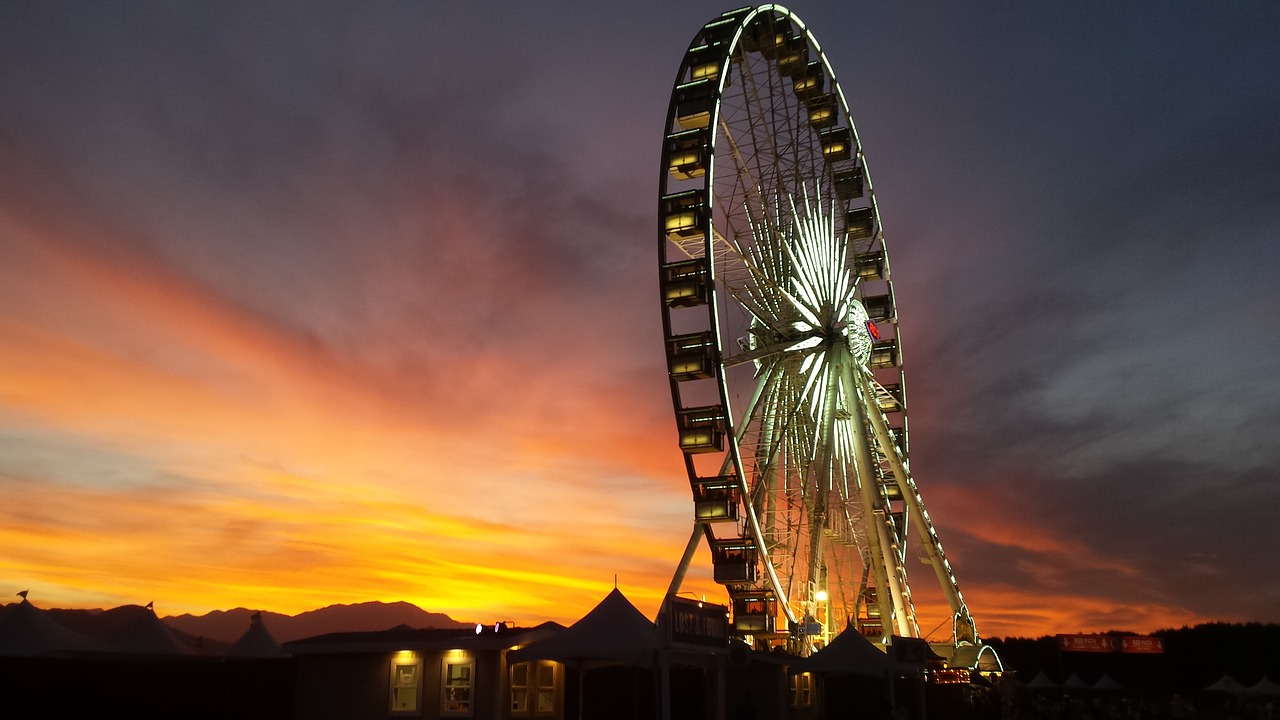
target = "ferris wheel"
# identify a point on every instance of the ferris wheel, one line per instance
(783, 345)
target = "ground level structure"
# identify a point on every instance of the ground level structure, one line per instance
(614, 664)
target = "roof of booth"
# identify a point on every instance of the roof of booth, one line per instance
(26, 631)
(613, 633)
(849, 653)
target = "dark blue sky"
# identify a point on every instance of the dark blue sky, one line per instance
(233, 235)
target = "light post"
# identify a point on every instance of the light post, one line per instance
(824, 602)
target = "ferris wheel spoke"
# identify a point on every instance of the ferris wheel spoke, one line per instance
(772, 264)
(760, 286)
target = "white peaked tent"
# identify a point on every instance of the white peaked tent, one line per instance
(1225, 684)
(1074, 682)
(1106, 682)
(849, 653)
(1042, 682)
(135, 630)
(858, 676)
(1266, 687)
(614, 633)
(26, 631)
(256, 642)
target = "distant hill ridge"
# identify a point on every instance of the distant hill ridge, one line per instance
(228, 625)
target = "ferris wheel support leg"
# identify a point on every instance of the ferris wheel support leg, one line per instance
(888, 572)
(686, 560)
(963, 626)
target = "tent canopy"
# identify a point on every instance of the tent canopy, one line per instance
(27, 631)
(1226, 684)
(614, 633)
(1041, 682)
(1265, 686)
(256, 642)
(135, 630)
(1106, 682)
(849, 653)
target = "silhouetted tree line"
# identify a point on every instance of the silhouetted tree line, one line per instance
(1194, 658)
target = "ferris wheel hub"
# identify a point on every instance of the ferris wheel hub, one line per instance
(857, 332)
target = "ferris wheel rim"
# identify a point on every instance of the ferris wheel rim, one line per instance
(739, 22)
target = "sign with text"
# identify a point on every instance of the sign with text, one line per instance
(1087, 643)
(690, 622)
(1142, 644)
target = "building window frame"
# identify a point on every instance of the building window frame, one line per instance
(404, 696)
(457, 685)
(535, 689)
(802, 690)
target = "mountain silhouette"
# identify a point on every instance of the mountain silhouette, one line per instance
(228, 625)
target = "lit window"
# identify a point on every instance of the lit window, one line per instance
(455, 695)
(801, 690)
(520, 688)
(533, 689)
(406, 684)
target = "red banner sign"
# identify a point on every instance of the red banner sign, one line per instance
(1086, 643)
(1141, 644)
(1111, 643)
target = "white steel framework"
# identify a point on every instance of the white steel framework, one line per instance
(783, 344)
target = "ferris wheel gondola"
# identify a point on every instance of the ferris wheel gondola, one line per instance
(783, 343)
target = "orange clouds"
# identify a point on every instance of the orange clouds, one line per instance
(1033, 572)
(250, 467)
(1024, 612)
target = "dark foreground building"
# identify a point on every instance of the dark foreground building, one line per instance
(613, 664)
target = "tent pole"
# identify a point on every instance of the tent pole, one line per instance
(664, 685)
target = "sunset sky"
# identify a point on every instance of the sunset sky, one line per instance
(315, 303)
